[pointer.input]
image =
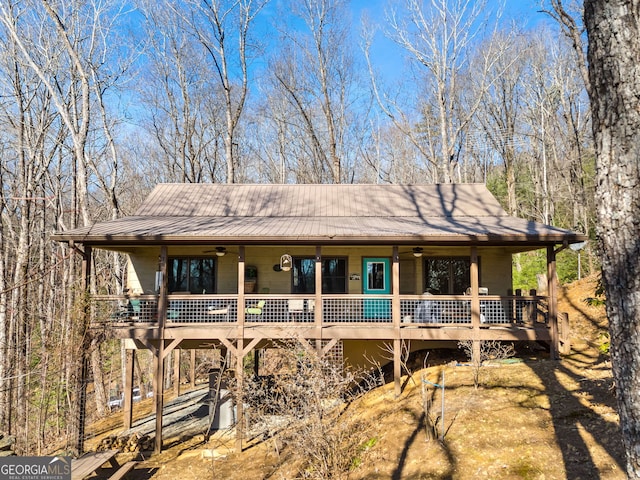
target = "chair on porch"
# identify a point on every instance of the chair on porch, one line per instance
(256, 309)
(218, 312)
(428, 311)
(134, 309)
(295, 309)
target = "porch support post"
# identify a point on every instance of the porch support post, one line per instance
(158, 387)
(553, 300)
(192, 372)
(475, 305)
(176, 371)
(318, 299)
(128, 388)
(84, 354)
(395, 317)
(239, 350)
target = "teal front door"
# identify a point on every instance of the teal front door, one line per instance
(377, 281)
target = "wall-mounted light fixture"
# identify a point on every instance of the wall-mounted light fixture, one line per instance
(221, 251)
(417, 252)
(286, 262)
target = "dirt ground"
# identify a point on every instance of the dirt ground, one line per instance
(531, 418)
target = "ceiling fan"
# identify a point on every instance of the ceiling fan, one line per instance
(219, 251)
(416, 252)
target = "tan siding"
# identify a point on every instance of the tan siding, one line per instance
(495, 266)
(408, 284)
(141, 271)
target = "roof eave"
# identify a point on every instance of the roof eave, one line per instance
(486, 239)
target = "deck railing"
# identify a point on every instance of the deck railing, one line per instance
(415, 310)
(494, 310)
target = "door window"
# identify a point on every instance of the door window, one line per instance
(376, 276)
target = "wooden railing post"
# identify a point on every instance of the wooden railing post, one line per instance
(531, 307)
(318, 313)
(241, 302)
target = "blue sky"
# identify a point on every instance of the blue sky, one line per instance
(525, 14)
(525, 11)
(388, 58)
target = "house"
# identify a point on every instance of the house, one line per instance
(346, 268)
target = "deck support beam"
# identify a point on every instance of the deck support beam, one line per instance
(192, 371)
(127, 409)
(240, 399)
(159, 373)
(176, 371)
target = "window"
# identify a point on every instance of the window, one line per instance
(334, 275)
(447, 275)
(195, 275)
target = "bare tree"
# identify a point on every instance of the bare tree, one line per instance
(498, 116)
(613, 29)
(314, 72)
(75, 109)
(71, 70)
(570, 20)
(185, 107)
(489, 350)
(32, 136)
(439, 36)
(223, 28)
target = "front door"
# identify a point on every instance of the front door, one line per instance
(376, 281)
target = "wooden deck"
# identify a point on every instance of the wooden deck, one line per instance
(192, 320)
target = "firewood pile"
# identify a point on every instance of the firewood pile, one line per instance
(136, 442)
(6, 445)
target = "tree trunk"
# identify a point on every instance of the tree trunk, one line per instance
(614, 58)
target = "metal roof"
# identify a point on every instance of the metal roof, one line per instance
(306, 214)
(335, 200)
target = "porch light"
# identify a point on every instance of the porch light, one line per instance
(417, 252)
(221, 251)
(286, 262)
